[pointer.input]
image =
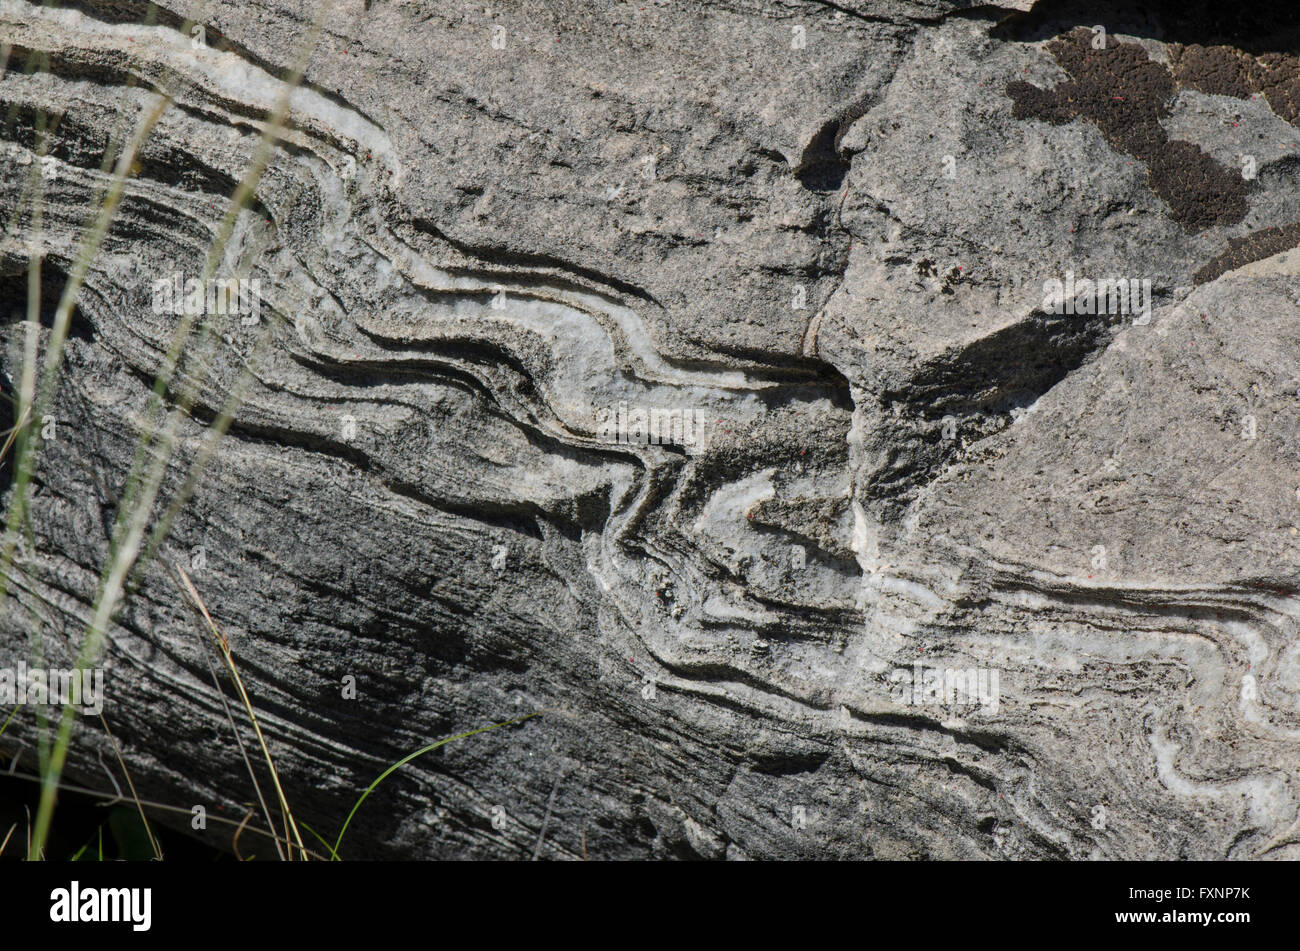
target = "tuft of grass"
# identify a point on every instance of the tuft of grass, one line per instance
(230, 718)
(26, 465)
(143, 484)
(223, 646)
(144, 821)
(132, 546)
(109, 799)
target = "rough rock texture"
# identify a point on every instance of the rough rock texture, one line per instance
(825, 227)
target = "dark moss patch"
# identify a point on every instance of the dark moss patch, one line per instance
(1224, 71)
(1257, 26)
(1125, 94)
(1253, 247)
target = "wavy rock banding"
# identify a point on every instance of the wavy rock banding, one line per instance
(481, 236)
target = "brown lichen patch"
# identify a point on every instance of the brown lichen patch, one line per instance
(1248, 249)
(1225, 71)
(1216, 70)
(1125, 94)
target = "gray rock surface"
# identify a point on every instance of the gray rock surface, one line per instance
(820, 233)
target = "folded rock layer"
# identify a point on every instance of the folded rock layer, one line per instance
(689, 373)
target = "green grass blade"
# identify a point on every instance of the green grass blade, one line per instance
(406, 759)
(77, 856)
(329, 847)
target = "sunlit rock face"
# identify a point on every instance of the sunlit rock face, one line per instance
(732, 383)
